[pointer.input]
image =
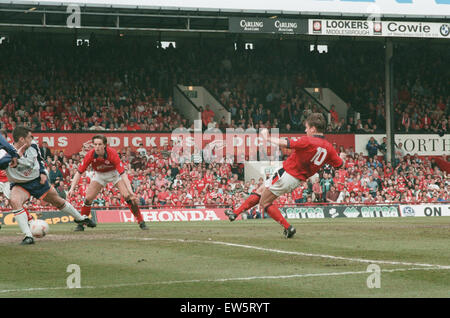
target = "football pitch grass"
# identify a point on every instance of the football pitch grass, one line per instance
(370, 258)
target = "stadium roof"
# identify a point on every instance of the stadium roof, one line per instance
(428, 9)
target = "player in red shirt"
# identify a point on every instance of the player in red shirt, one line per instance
(108, 169)
(309, 154)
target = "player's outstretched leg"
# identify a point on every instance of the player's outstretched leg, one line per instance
(252, 200)
(81, 220)
(64, 206)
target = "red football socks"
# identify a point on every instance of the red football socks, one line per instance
(251, 201)
(137, 212)
(275, 214)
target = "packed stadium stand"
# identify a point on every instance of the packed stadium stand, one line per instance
(50, 84)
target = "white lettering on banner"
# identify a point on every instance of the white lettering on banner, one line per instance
(180, 216)
(251, 24)
(127, 217)
(196, 216)
(62, 142)
(290, 25)
(114, 141)
(164, 141)
(150, 216)
(150, 141)
(175, 215)
(50, 141)
(351, 213)
(136, 141)
(72, 143)
(303, 213)
(377, 211)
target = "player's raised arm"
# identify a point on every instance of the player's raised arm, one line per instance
(4, 144)
(81, 169)
(282, 142)
(75, 180)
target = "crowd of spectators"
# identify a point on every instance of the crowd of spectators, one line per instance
(159, 181)
(50, 84)
(420, 90)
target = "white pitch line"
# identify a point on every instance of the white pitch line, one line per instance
(218, 280)
(360, 260)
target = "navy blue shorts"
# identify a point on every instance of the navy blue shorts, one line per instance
(34, 188)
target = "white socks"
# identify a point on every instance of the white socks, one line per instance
(69, 209)
(22, 219)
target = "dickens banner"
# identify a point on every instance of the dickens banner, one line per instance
(72, 143)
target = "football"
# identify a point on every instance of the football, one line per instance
(39, 228)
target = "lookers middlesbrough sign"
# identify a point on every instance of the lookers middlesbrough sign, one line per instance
(378, 28)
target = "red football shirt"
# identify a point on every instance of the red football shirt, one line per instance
(309, 154)
(109, 162)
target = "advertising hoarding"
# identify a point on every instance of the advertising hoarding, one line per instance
(377, 28)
